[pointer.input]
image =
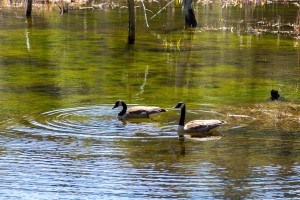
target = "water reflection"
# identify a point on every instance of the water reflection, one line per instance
(53, 147)
(27, 33)
(68, 150)
(85, 122)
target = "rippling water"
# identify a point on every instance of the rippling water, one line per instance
(60, 74)
(86, 153)
(97, 122)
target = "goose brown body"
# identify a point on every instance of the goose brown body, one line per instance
(196, 126)
(137, 111)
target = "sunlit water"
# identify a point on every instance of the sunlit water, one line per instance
(86, 152)
(61, 74)
(99, 122)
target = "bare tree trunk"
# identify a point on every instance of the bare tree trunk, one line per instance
(190, 19)
(131, 31)
(28, 8)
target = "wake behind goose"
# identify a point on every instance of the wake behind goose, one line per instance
(90, 121)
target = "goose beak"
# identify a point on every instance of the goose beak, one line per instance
(115, 106)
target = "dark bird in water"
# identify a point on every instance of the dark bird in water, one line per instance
(195, 126)
(137, 111)
(274, 95)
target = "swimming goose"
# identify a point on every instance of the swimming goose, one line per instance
(195, 126)
(137, 111)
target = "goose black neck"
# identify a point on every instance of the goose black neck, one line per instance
(182, 116)
(123, 111)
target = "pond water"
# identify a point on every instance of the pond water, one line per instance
(60, 76)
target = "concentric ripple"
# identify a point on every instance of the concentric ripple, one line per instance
(90, 121)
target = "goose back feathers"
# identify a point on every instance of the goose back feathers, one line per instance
(137, 111)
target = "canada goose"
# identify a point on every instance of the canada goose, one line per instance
(274, 95)
(195, 126)
(137, 111)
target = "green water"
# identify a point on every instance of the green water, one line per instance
(61, 74)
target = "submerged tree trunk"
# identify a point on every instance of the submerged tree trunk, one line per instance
(131, 28)
(190, 19)
(63, 6)
(28, 8)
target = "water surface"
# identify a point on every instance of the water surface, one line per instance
(61, 74)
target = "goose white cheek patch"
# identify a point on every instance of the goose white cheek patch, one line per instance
(120, 103)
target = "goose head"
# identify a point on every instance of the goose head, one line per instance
(180, 105)
(119, 103)
(123, 104)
